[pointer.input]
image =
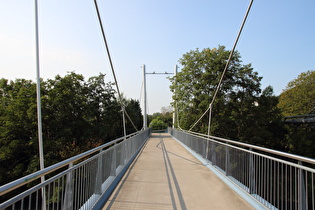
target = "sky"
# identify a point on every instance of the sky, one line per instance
(278, 39)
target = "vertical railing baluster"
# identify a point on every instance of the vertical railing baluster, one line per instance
(207, 150)
(58, 196)
(113, 163)
(30, 202)
(227, 161)
(213, 153)
(313, 195)
(98, 178)
(68, 200)
(301, 189)
(252, 181)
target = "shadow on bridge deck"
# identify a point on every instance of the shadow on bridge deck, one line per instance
(166, 176)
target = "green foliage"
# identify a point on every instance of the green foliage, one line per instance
(77, 115)
(134, 111)
(166, 116)
(17, 119)
(157, 124)
(299, 99)
(299, 96)
(240, 111)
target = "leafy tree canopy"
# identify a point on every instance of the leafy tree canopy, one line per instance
(77, 115)
(157, 124)
(166, 115)
(241, 110)
(299, 99)
(299, 96)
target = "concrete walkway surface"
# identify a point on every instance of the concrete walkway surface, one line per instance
(166, 176)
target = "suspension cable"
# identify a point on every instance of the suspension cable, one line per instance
(141, 89)
(111, 64)
(232, 52)
(130, 120)
(200, 118)
(227, 64)
(107, 49)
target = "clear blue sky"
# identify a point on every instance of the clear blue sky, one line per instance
(278, 39)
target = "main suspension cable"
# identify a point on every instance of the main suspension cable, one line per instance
(130, 120)
(232, 52)
(111, 65)
(107, 49)
(226, 66)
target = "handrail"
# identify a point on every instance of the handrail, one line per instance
(300, 116)
(284, 154)
(275, 182)
(36, 175)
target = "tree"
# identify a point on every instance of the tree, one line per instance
(77, 115)
(299, 96)
(238, 107)
(103, 111)
(299, 99)
(194, 86)
(18, 128)
(166, 116)
(157, 124)
(134, 111)
(266, 127)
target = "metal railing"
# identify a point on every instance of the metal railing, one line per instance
(278, 180)
(81, 182)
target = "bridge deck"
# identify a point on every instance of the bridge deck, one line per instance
(166, 176)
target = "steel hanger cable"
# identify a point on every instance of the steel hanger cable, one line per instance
(111, 63)
(227, 63)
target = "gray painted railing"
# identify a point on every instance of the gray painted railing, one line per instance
(81, 182)
(278, 180)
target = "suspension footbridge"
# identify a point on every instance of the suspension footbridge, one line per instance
(177, 169)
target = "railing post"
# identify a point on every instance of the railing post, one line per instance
(252, 183)
(128, 143)
(204, 148)
(301, 189)
(123, 153)
(68, 199)
(227, 161)
(113, 164)
(207, 150)
(213, 154)
(98, 180)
